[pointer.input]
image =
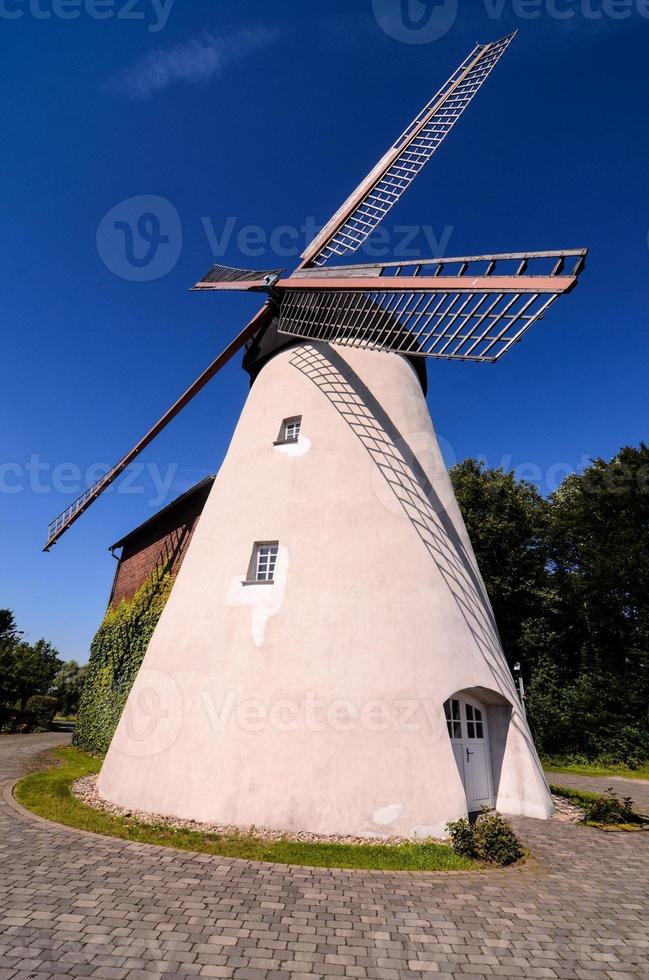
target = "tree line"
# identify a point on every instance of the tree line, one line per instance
(34, 680)
(568, 579)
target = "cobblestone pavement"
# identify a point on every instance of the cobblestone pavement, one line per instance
(76, 905)
(637, 789)
(17, 751)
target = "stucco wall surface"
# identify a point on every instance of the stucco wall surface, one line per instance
(316, 702)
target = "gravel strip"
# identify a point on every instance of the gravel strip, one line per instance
(565, 811)
(85, 790)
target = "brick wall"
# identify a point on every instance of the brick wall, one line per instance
(165, 536)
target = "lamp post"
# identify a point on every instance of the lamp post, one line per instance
(518, 680)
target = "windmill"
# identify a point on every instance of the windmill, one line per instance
(331, 581)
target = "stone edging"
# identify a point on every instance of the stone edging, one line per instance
(530, 865)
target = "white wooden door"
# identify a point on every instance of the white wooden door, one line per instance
(466, 721)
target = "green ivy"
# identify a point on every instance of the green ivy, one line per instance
(116, 654)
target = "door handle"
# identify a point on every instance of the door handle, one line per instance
(469, 753)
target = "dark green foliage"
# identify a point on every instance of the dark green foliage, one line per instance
(16, 722)
(116, 654)
(611, 809)
(461, 836)
(25, 668)
(490, 839)
(495, 841)
(43, 708)
(507, 521)
(568, 579)
(8, 627)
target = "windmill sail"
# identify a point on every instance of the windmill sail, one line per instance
(366, 207)
(248, 280)
(469, 309)
(72, 513)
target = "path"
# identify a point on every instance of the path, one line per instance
(74, 905)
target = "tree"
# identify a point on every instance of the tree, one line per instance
(569, 582)
(599, 551)
(507, 521)
(8, 628)
(67, 686)
(25, 668)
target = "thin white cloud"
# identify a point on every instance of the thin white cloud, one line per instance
(194, 62)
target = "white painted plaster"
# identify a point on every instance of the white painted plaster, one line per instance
(299, 448)
(386, 815)
(264, 600)
(425, 831)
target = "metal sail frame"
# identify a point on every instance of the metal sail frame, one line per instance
(457, 313)
(470, 308)
(436, 308)
(366, 206)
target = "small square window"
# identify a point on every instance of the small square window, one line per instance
(289, 430)
(263, 562)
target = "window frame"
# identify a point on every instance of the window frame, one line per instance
(253, 565)
(282, 439)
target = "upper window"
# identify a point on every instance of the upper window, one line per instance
(474, 722)
(290, 430)
(453, 723)
(263, 562)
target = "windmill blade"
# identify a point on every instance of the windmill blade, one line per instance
(249, 281)
(72, 513)
(462, 313)
(243, 280)
(366, 207)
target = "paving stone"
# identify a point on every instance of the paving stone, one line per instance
(78, 906)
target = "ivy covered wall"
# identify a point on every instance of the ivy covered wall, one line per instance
(116, 654)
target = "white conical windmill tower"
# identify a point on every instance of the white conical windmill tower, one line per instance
(328, 660)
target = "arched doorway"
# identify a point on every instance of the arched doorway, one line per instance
(466, 720)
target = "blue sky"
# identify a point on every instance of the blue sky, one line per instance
(248, 117)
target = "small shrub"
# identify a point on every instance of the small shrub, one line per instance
(43, 708)
(611, 809)
(16, 722)
(495, 841)
(462, 838)
(490, 839)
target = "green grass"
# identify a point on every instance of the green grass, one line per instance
(583, 798)
(47, 794)
(595, 769)
(579, 797)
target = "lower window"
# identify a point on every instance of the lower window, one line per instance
(263, 562)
